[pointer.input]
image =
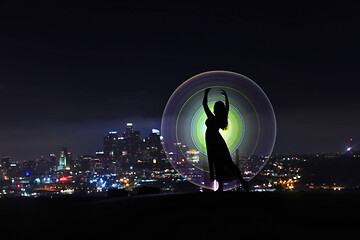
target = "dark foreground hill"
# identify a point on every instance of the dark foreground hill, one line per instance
(179, 215)
(342, 170)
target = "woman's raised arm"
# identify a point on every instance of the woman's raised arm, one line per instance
(205, 104)
(226, 100)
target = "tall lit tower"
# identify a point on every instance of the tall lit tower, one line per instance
(129, 129)
(132, 139)
(62, 159)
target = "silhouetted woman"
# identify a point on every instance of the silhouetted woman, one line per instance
(221, 166)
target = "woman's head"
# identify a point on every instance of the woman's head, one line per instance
(221, 114)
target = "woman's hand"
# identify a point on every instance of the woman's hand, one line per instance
(207, 90)
(223, 92)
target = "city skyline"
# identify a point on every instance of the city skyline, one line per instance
(128, 165)
(74, 71)
(110, 120)
(100, 148)
(348, 145)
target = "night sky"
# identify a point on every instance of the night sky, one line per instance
(70, 71)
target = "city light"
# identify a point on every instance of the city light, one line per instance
(63, 179)
(156, 131)
(129, 162)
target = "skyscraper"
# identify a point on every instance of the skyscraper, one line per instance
(153, 144)
(132, 139)
(111, 144)
(62, 159)
(5, 163)
(129, 129)
(127, 144)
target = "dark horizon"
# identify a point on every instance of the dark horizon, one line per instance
(72, 72)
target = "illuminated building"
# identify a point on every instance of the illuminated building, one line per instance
(97, 162)
(193, 156)
(129, 129)
(62, 160)
(5, 163)
(122, 146)
(132, 140)
(7, 167)
(153, 144)
(153, 156)
(155, 131)
(178, 153)
(128, 144)
(111, 144)
(52, 159)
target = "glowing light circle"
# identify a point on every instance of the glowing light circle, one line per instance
(198, 128)
(250, 137)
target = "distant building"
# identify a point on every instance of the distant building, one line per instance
(129, 129)
(64, 160)
(153, 144)
(53, 162)
(5, 163)
(122, 146)
(154, 149)
(84, 163)
(133, 141)
(97, 162)
(155, 131)
(128, 144)
(111, 148)
(193, 156)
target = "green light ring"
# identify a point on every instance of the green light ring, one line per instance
(257, 116)
(175, 126)
(196, 166)
(178, 116)
(191, 126)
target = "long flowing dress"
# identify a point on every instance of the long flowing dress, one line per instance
(218, 153)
